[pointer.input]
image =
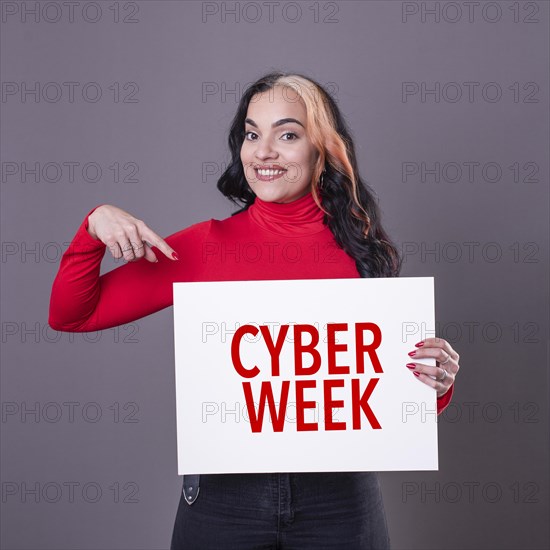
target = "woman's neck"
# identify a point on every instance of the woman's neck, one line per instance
(299, 217)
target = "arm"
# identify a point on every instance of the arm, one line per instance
(82, 300)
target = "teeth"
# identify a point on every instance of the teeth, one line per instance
(267, 173)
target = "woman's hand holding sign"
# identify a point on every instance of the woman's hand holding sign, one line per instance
(442, 376)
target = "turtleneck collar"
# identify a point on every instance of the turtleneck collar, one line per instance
(293, 219)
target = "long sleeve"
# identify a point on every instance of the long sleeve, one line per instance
(82, 300)
(444, 400)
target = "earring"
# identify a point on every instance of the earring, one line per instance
(322, 178)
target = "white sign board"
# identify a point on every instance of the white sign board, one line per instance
(303, 376)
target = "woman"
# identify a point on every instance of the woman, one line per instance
(294, 171)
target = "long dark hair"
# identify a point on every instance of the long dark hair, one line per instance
(350, 205)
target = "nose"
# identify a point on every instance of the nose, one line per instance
(265, 150)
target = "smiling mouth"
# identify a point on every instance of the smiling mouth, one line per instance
(268, 174)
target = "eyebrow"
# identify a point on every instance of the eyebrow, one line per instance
(278, 123)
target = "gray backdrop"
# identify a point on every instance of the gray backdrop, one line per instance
(448, 104)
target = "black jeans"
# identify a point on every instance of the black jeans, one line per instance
(303, 511)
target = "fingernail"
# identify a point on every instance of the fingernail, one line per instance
(411, 366)
(419, 345)
(412, 353)
(175, 256)
(416, 373)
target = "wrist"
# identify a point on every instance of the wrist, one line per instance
(90, 226)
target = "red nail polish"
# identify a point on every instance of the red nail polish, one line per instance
(419, 345)
(175, 256)
(416, 373)
(411, 366)
(412, 353)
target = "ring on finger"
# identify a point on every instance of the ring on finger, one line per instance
(444, 375)
(446, 360)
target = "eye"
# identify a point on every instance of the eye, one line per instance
(290, 134)
(249, 132)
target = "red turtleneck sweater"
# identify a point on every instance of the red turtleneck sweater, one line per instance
(266, 241)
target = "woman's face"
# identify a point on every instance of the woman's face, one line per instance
(278, 157)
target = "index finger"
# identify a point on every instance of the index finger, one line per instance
(160, 243)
